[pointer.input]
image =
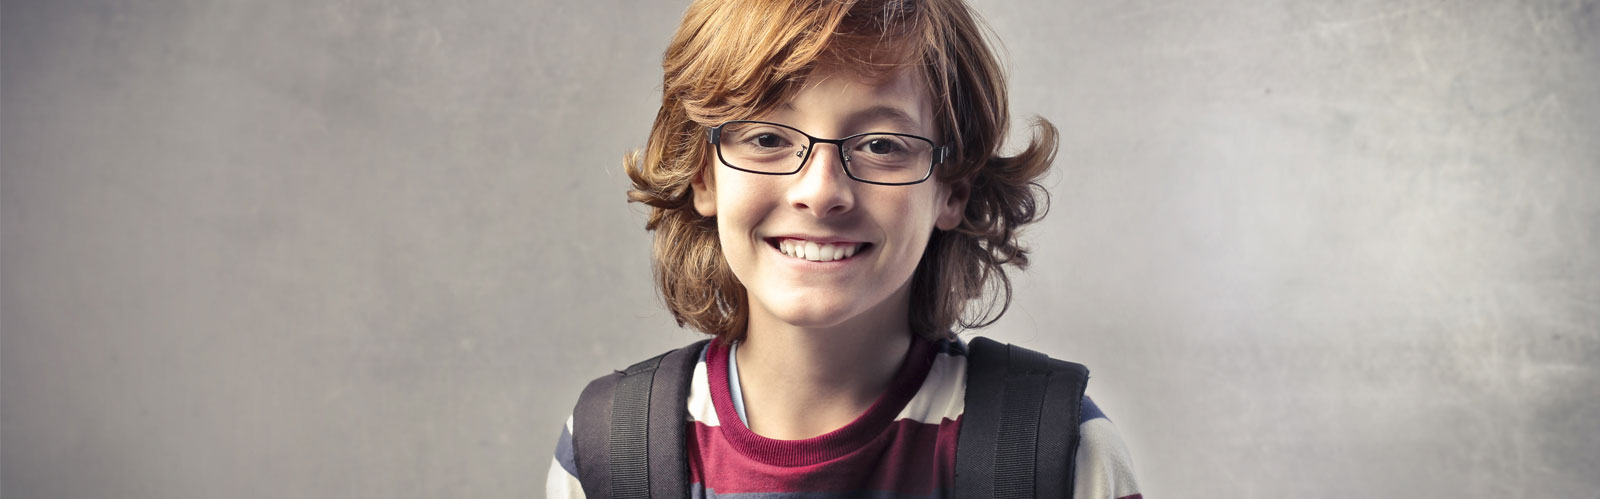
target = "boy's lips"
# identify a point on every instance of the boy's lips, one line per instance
(817, 250)
(815, 238)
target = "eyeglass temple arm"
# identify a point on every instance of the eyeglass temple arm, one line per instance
(713, 133)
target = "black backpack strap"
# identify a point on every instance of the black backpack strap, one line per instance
(1019, 430)
(628, 429)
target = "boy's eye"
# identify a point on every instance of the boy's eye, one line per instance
(768, 140)
(882, 146)
(756, 141)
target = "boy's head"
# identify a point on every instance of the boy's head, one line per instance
(918, 95)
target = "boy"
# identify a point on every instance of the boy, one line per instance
(827, 199)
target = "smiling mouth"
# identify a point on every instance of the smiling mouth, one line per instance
(811, 251)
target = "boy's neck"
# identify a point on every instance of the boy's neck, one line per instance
(802, 382)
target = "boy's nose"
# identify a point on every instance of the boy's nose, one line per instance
(823, 188)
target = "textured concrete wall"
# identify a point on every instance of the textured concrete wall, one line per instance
(373, 248)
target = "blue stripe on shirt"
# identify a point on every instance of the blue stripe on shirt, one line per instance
(1090, 411)
(564, 452)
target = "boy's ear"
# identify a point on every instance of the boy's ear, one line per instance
(705, 193)
(954, 205)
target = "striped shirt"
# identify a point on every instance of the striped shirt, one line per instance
(901, 447)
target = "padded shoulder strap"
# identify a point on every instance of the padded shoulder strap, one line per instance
(628, 429)
(1019, 431)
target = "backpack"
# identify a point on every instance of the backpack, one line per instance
(1002, 450)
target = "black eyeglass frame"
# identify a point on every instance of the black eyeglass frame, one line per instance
(714, 136)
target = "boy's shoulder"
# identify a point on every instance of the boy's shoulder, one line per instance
(1103, 466)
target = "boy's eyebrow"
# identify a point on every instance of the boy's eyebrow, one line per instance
(884, 112)
(879, 112)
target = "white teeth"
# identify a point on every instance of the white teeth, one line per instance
(807, 250)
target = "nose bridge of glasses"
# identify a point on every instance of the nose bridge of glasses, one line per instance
(820, 184)
(838, 144)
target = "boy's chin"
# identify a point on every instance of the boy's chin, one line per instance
(817, 314)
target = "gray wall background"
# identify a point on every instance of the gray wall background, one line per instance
(374, 248)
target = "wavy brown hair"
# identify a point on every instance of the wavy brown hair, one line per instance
(737, 59)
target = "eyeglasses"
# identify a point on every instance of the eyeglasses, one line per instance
(881, 158)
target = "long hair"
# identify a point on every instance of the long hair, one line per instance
(742, 58)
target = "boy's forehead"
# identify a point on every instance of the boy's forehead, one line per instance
(882, 84)
(899, 95)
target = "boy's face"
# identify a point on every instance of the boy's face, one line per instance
(886, 227)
